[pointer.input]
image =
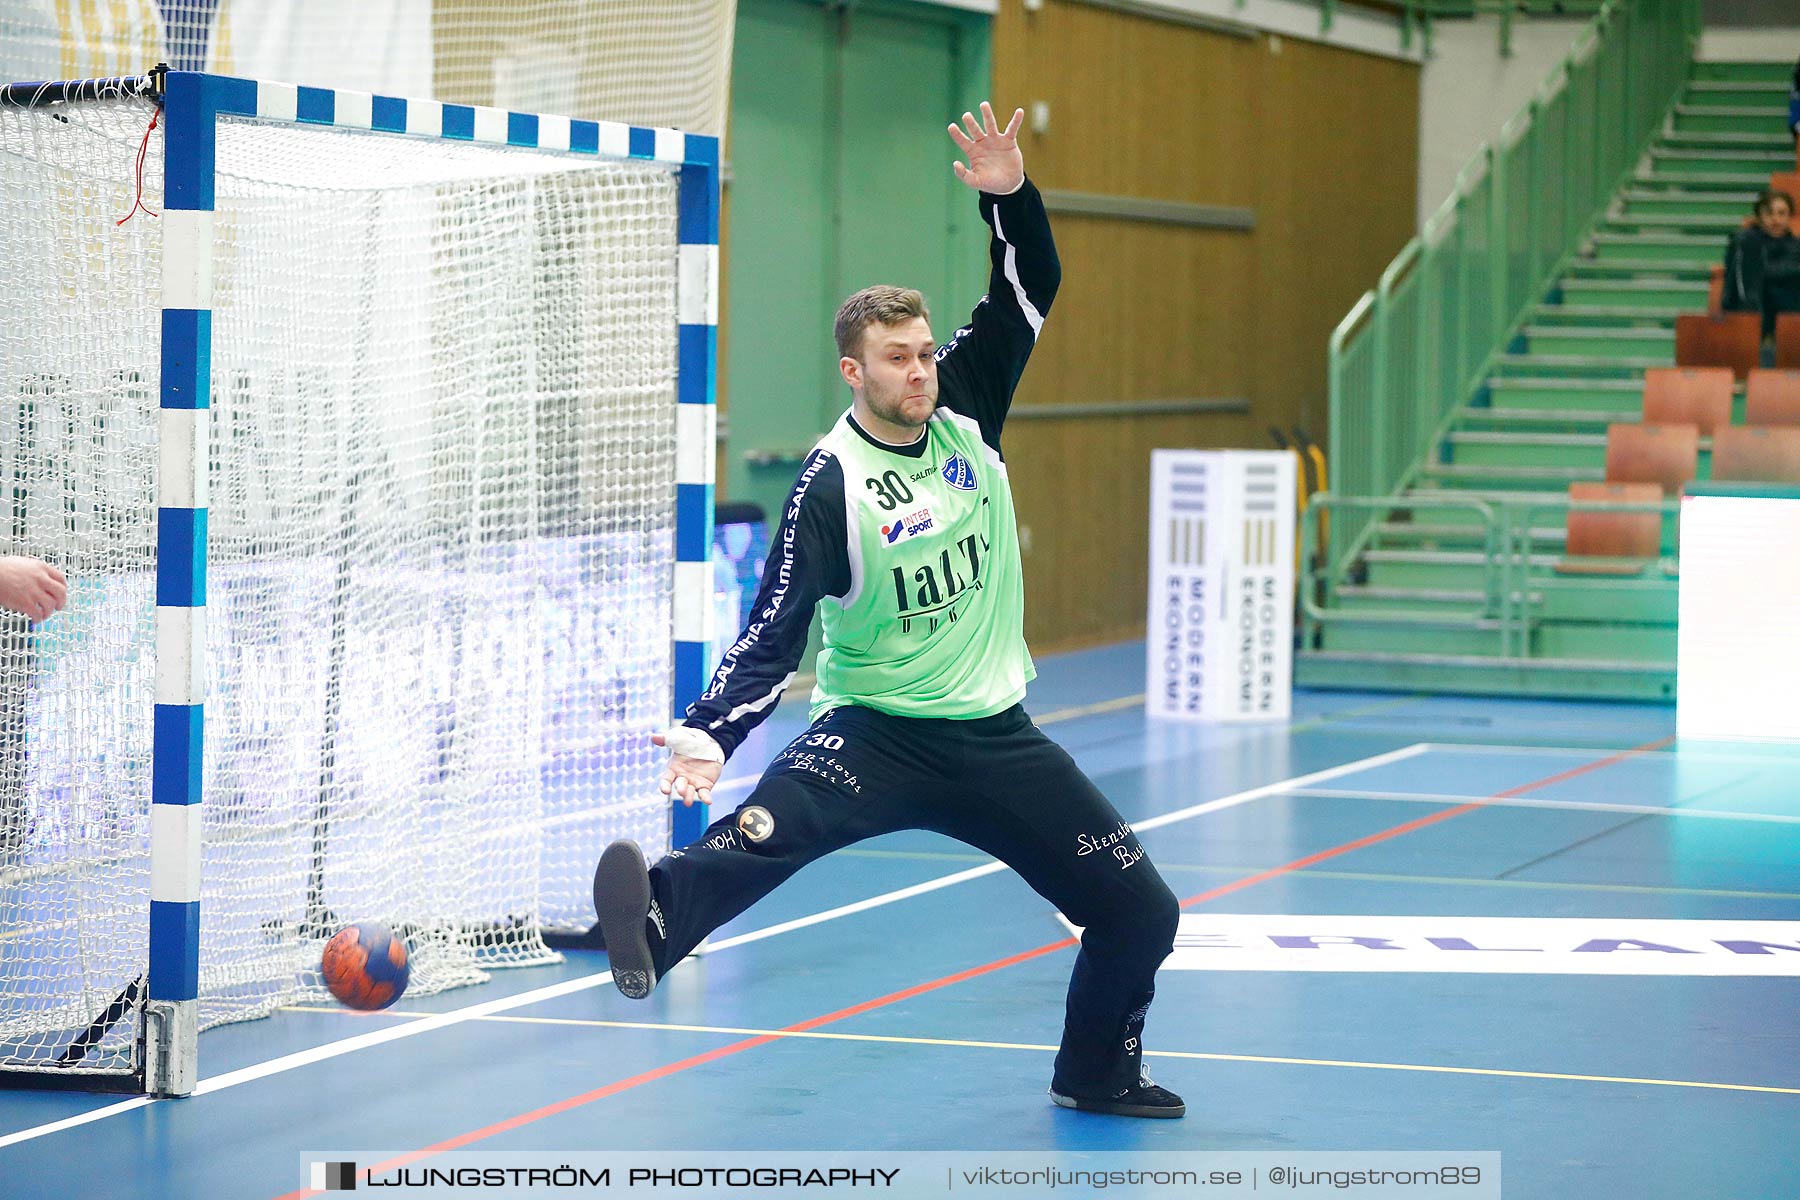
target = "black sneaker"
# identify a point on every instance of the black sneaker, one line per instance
(623, 902)
(1144, 1100)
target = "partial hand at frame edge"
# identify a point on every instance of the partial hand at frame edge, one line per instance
(31, 587)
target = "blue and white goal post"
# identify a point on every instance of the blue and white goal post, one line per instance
(422, 396)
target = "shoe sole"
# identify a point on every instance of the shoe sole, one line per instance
(1116, 1109)
(622, 902)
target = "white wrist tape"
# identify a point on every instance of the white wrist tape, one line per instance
(693, 743)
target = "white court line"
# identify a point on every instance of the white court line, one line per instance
(994, 868)
(1652, 810)
(303, 1058)
(1118, 704)
(316, 1054)
(111, 1110)
(1673, 753)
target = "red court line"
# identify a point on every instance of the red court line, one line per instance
(1300, 864)
(668, 1069)
(662, 1072)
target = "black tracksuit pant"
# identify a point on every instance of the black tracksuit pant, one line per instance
(996, 783)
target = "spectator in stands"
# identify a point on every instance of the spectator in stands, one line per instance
(1762, 262)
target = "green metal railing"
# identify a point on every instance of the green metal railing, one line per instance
(1417, 16)
(1412, 351)
(1505, 529)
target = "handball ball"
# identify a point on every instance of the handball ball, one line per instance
(366, 966)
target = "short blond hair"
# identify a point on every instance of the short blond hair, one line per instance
(883, 304)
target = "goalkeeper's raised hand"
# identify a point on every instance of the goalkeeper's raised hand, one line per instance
(995, 164)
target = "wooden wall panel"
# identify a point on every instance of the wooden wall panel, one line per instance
(1137, 106)
(840, 178)
(1341, 144)
(1321, 143)
(1082, 489)
(1145, 312)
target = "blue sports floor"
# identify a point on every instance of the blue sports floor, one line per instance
(908, 993)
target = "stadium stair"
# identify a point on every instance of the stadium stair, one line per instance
(1413, 610)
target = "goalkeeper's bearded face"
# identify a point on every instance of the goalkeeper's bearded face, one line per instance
(896, 374)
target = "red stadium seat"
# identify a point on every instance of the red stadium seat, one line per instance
(1729, 340)
(1688, 396)
(1787, 340)
(1611, 543)
(1772, 398)
(1757, 454)
(1666, 455)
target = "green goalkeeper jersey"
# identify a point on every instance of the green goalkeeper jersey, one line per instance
(932, 624)
(910, 553)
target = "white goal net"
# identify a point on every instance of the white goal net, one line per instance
(441, 514)
(642, 62)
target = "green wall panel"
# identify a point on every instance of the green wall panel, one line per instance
(840, 177)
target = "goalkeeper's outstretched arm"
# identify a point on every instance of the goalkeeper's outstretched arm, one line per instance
(808, 560)
(979, 367)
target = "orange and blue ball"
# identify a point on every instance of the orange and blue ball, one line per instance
(366, 966)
